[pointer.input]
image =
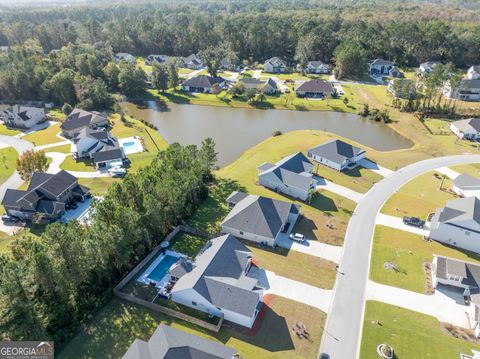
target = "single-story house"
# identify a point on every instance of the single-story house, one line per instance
(315, 67)
(225, 64)
(462, 275)
(458, 224)
(259, 219)
(219, 282)
(380, 67)
(315, 89)
(402, 88)
(466, 185)
(336, 154)
(427, 67)
(170, 343)
(23, 117)
(202, 83)
(47, 196)
(79, 119)
(151, 59)
(291, 175)
(468, 129)
(468, 90)
(275, 65)
(123, 56)
(268, 87)
(473, 72)
(191, 62)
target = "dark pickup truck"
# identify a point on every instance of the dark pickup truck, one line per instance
(414, 221)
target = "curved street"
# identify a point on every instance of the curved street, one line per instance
(14, 181)
(342, 334)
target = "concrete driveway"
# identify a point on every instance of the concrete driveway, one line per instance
(445, 304)
(396, 222)
(345, 319)
(58, 158)
(313, 248)
(382, 171)
(448, 172)
(292, 289)
(322, 183)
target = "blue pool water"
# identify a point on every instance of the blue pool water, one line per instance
(162, 268)
(128, 144)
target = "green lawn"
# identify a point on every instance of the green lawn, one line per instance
(118, 324)
(472, 169)
(408, 252)
(46, 136)
(6, 131)
(295, 76)
(8, 158)
(71, 164)
(411, 334)
(184, 71)
(98, 186)
(420, 196)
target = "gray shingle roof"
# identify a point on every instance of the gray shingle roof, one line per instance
(470, 124)
(203, 81)
(218, 276)
(470, 272)
(461, 209)
(259, 215)
(170, 343)
(80, 118)
(336, 151)
(382, 62)
(466, 181)
(469, 84)
(107, 155)
(236, 196)
(316, 86)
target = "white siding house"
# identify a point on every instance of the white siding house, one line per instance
(468, 129)
(466, 186)
(336, 154)
(275, 65)
(23, 117)
(473, 72)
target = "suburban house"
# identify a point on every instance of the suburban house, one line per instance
(380, 67)
(464, 276)
(458, 224)
(107, 158)
(47, 196)
(268, 87)
(275, 65)
(468, 90)
(468, 129)
(291, 175)
(315, 67)
(427, 67)
(219, 282)
(23, 117)
(259, 219)
(337, 154)
(225, 64)
(123, 56)
(466, 185)
(151, 59)
(191, 62)
(402, 88)
(315, 89)
(169, 343)
(202, 83)
(79, 119)
(473, 72)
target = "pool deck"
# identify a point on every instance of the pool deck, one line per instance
(131, 145)
(161, 283)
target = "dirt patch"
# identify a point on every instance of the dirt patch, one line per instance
(460, 333)
(390, 266)
(427, 269)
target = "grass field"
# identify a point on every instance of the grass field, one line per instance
(8, 158)
(98, 186)
(411, 334)
(117, 325)
(472, 169)
(8, 132)
(71, 164)
(46, 136)
(419, 197)
(408, 252)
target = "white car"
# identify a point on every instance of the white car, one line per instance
(297, 237)
(117, 171)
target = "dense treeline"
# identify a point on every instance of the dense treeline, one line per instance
(49, 285)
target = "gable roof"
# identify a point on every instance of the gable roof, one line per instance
(269, 83)
(470, 272)
(469, 84)
(336, 151)
(316, 86)
(276, 61)
(259, 215)
(381, 62)
(316, 64)
(219, 275)
(474, 68)
(203, 81)
(466, 181)
(470, 124)
(236, 196)
(428, 65)
(80, 118)
(169, 343)
(461, 209)
(25, 113)
(107, 155)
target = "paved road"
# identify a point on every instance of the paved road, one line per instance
(341, 338)
(14, 181)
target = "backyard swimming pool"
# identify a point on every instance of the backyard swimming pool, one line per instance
(157, 272)
(130, 145)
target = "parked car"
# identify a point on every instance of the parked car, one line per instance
(324, 356)
(414, 221)
(297, 237)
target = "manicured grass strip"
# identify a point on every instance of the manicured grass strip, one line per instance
(98, 186)
(6, 131)
(472, 169)
(118, 324)
(411, 334)
(71, 164)
(420, 196)
(408, 252)
(8, 158)
(45, 136)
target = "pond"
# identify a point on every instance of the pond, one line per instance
(235, 130)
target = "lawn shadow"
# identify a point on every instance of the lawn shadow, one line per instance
(354, 172)
(307, 227)
(323, 203)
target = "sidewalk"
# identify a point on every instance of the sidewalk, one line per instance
(340, 190)
(313, 248)
(448, 172)
(51, 145)
(382, 171)
(58, 158)
(396, 222)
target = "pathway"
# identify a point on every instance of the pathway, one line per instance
(288, 288)
(382, 171)
(51, 145)
(445, 305)
(396, 222)
(38, 127)
(322, 183)
(57, 160)
(448, 172)
(313, 248)
(256, 74)
(194, 73)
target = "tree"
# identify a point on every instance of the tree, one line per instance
(131, 79)
(237, 89)
(216, 89)
(111, 72)
(304, 52)
(30, 162)
(93, 93)
(67, 108)
(350, 60)
(212, 56)
(160, 76)
(345, 101)
(207, 155)
(173, 79)
(62, 88)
